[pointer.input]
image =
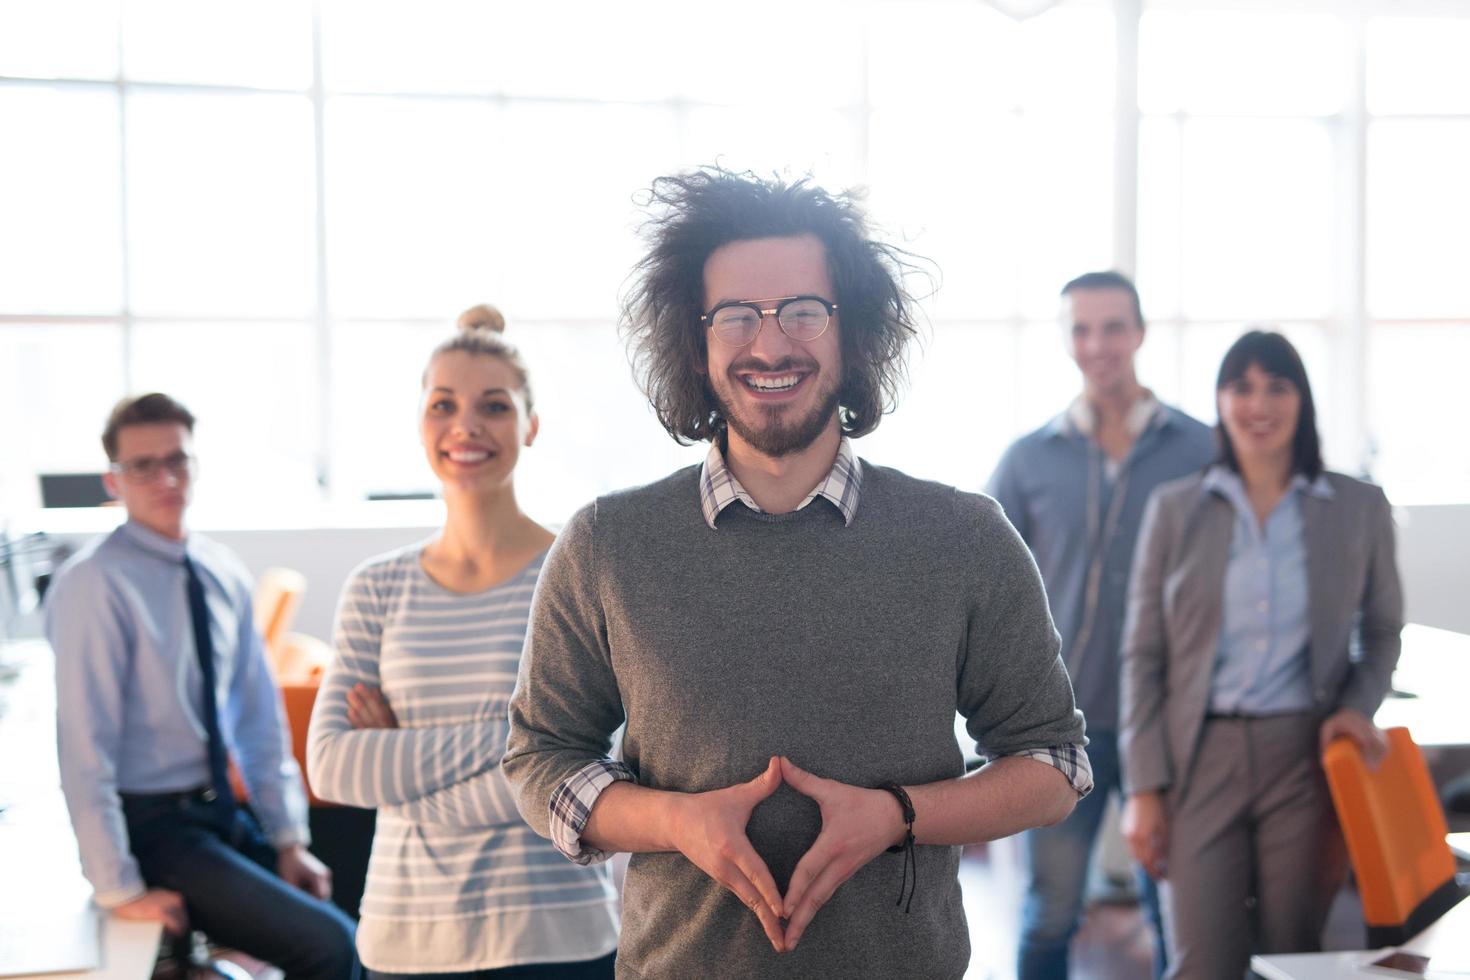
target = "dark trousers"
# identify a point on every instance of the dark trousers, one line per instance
(1057, 860)
(220, 862)
(598, 969)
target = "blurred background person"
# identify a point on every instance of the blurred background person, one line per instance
(1253, 583)
(1075, 489)
(161, 677)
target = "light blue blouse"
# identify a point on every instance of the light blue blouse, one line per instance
(1262, 666)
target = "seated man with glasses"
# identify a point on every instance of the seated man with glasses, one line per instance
(786, 630)
(160, 676)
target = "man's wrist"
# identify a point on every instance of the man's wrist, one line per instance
(670, 814)
(896, 821)
(290, 835)
(118, 897)
(629, 817)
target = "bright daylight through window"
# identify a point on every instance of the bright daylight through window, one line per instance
(276, 223)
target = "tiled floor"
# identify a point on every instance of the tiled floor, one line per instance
(1113, 943)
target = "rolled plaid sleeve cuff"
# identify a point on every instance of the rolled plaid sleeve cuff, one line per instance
(1070, 760)
(571, 805)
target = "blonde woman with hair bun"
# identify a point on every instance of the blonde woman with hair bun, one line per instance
(412, 715)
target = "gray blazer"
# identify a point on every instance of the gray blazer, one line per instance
(1171, 635)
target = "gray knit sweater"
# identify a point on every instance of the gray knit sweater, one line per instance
(846, 648)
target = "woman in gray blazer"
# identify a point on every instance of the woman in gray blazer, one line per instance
(1263, 622)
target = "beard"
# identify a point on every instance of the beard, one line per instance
(771, 430)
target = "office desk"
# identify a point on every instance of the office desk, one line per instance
(128, 952)
(1435, 668)
(1446, 943)
(43, 881)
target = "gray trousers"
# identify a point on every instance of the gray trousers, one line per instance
(1254, 852)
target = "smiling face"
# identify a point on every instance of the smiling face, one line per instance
(1103, 336)
(779, 395)
(1260, 412)
(164, 450)
(473, 421)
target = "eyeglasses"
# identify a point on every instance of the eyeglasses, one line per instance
(144, 469)
(801, 318)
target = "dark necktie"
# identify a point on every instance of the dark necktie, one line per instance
(219, 763)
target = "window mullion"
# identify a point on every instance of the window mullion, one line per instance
(1127, 15)
(1351, 421)
(322, 321)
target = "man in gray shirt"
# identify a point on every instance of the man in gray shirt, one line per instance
(1075, 489)
(786, 630)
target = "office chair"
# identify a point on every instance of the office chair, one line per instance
(1395, 832)
(189, 958)
(277, 595)
(342, 835)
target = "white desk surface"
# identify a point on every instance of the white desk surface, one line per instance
(1446, 943)
(43, 877)
(128, 952)
(1435, 667)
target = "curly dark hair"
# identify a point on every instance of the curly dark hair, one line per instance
(694, 213)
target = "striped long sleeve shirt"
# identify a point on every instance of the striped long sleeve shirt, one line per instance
(456, 882)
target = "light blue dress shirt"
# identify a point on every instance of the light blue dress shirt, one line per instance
(1080, 521)
(1262, 665)
(129, 695)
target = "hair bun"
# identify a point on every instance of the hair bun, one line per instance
(482, 317)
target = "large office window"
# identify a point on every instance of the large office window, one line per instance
(1237, 193)
(275, 209)
(1418, 290)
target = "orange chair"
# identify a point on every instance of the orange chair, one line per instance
(1395, 832)
(297, 661)
(277, 596)
(299, 699)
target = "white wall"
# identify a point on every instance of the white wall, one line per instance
(324, 556)
(1433, 551)
(1434, 559)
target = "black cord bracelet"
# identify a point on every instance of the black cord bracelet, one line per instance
(906, 845)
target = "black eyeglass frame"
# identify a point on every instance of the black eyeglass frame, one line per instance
(179, 465)
(762, 311)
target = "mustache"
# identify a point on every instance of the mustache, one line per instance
(750, 363)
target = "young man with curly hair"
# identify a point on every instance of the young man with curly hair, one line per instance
(785, 630)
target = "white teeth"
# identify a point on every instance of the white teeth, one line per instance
(774, 384)
(462, 456)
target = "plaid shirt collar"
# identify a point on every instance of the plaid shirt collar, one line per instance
(718, 487)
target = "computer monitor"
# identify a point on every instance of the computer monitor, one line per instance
(73, 490)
